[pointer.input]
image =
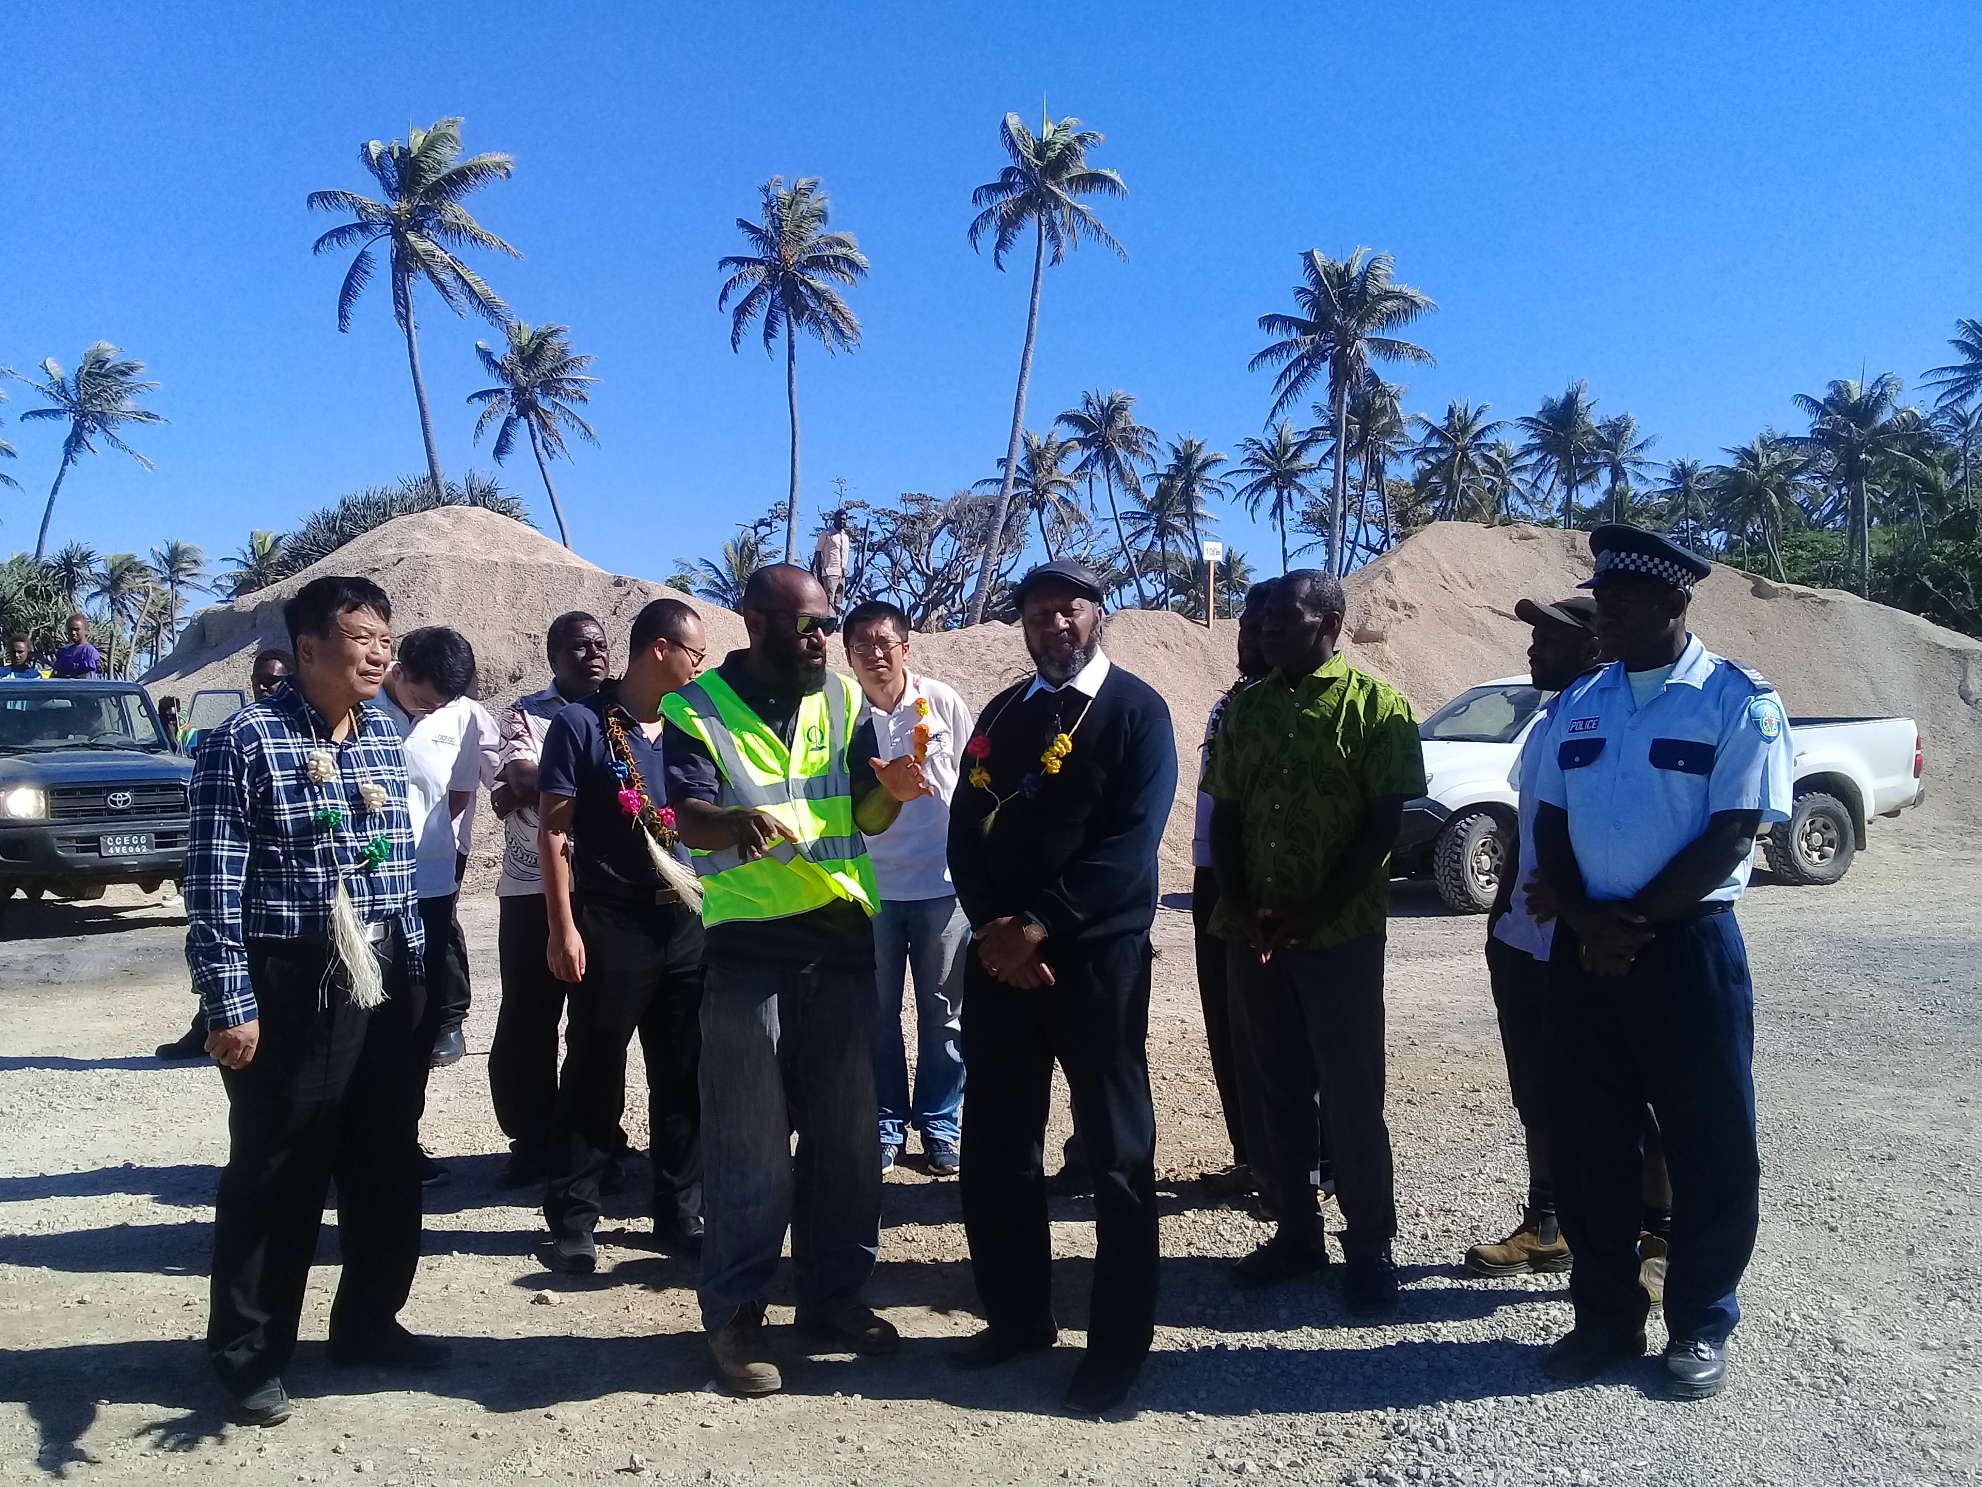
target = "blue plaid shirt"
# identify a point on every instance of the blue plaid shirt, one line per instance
(260, 865)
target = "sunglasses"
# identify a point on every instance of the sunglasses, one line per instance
(807, 624)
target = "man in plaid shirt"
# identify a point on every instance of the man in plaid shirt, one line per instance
(290, 794)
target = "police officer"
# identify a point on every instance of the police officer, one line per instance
(1655, 780)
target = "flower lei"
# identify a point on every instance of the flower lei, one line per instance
(1051, 759)
(633, 797)
(321, 769)
(922, 733)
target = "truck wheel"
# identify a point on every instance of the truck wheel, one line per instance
(1815, 845)
(1473, 850)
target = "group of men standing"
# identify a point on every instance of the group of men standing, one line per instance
(742, 863)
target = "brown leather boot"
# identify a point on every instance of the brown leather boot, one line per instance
(741, 1356)
(1536, 1248)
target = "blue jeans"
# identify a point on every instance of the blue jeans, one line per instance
(928, 938)
(787, 1048)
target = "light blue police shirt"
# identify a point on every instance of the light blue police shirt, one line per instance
(1518, 926)
(1640, 784)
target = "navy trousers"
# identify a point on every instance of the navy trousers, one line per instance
(1676, 1033)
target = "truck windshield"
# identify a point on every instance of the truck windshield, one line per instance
(38, 717)
(1494, 714)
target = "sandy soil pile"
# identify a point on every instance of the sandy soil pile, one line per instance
(1434, 617)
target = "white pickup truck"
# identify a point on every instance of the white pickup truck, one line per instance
(1462, 832)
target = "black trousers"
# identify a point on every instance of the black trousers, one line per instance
(1317, 1014)
(643, 974)
(331, 1092)
(1095, 1020)
(1213, 993)
(523, 1057)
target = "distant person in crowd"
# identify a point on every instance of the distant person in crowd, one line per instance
(272, 668)
(292, 797)
(919, 930)
(775, 783)
(1655, 778)
(78, 660)
(620, 941)
(20, 662)
(426, 697)
(830, 556)
(1310, 773)
(168, 719)
(1053, 845)
(523, 1057)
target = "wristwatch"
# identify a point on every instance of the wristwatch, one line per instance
(1033, 930)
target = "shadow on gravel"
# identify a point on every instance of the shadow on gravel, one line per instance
(189, 1185)
(56, 1061)
(58, 921)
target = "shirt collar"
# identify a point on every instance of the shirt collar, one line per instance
(288, 699)
(1692, 669)
(1333, 669)
(1086, 681)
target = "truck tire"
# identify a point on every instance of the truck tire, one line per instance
(1814, 847)
(1474, 848)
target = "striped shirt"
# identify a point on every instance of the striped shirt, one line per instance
(262, 865)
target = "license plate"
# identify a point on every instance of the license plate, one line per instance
(125, 844)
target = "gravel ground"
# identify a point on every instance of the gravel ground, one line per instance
(1858, 1361)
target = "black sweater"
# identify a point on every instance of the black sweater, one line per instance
(1078, 854)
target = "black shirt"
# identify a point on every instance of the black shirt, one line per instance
(837, 933)
(607, 853)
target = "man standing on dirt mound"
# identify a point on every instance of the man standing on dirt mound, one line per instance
(1654, 780)
(1053, 843)
(774, 782)
(305, 943)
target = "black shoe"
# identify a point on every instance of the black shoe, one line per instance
(267, 1405)
(680, 1236)
(577, 1254)
(1101, 1382)
(431, 1171)
(944, 1157)
(1288, 1255)
(614, 1177)
(1235, 1181)
(192, 1044)
(997, 1345)
(858, 1329)
(1695, 1369)
(449, 1046)
(1070, 1181)
(1589, 1351)
(521, 1170)
(391, 1347)
(1369, 1287)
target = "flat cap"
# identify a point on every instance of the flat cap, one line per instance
(1075, 575)
(1622, 549)
(1578, 612)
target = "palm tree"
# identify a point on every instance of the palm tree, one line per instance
(1686, 495)
(1279, 467)
(1040, 190)
(1960, 382)
(1118, 449)
(123, 585)
(74, 570)
(790, 274)
(1159, 522)
(179, 565)
(1851, 426)
(722, 580)
(1190, 471)
(1760, 492)
(1377, 426)
(97, 401)
(1961, 427)
(1346, 309)
(254, 564)
(1456, 454)
(1045, 487)
(421, 221)
(538, 378)
(1620, 454)
(1562, 439)
(6, 449)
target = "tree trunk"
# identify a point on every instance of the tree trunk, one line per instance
(993, 547)
(1382, 505)
(1280, 514)
(791, 402)
(544, 469)
(1045, 540)
(1128, 555)
(1862, 519)
(48, 511)
(420, 397)
(1338, 520)
(1568, 504)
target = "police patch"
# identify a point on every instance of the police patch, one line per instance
(1766, 717)
(1583, 725)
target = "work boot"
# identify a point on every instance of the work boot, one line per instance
(1652, 1249)
(743, 1361)
(1536, 1248)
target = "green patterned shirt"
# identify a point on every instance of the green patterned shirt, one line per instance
(1302, 761)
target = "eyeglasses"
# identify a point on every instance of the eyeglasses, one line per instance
(876, 648)
(689, 650)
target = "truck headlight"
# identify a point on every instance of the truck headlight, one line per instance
(23, 803)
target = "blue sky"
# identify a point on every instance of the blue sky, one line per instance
(1700, 208)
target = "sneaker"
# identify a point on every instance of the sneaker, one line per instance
(449, 1046)
(891, 1152)
(945, 1160)
(266, 1405)
(1527, 1251)
(1369, 1287)
(742, 1360)
(1652, 1252)
(858, 1329)
(431, 1171)
(1288, 1255)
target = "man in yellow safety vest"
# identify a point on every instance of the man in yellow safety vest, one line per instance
(773, 786)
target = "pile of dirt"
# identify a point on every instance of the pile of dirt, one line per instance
(1434, 616)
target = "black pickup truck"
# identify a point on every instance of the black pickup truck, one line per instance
(91, 791)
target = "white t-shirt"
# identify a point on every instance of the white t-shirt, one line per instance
(912, 857)
(443, 754)
(524, 725)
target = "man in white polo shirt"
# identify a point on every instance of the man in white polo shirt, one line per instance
(919, 929)
(523, 1058)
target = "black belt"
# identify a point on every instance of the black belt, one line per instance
(1698, 911)
(376, 932)
(630, 897)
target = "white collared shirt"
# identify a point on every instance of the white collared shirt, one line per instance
(443, 755)
(1087, 680)
(912, 857)
(525, 723)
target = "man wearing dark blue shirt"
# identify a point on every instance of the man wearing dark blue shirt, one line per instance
(625, 941)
